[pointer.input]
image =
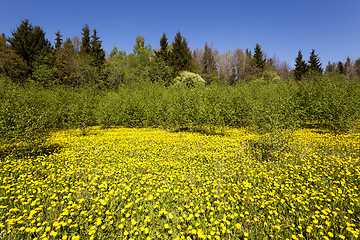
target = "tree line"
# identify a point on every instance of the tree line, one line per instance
(28, 56)
(72, 84)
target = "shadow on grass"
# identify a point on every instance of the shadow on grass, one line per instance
(322, 128)
(211, 131)
(23, 149)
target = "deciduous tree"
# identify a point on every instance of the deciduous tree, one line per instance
(349, 68)
(114, 67)
(11, 64)
(330, 68)
(137, 64)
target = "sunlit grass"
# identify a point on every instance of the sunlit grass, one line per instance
(124, 183)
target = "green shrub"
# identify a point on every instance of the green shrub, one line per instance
(267, 104)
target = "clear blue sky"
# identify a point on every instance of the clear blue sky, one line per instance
(281, 27)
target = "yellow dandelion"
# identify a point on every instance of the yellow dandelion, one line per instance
(53, 234)
(75, 237)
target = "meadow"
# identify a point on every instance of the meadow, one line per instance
(154, 183)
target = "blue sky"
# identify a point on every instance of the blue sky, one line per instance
(281, 27)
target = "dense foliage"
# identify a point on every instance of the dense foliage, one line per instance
(266, 104)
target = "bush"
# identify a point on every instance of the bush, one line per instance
(28, 112)
(270, 146)
(329, 101)
(189, 79)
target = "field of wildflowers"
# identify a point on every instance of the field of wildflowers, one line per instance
(127, 183)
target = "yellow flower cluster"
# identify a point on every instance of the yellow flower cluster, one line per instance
(123, 183)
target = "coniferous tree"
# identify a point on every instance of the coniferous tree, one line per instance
(258, 57)
(196, 64)
(163, 52)
(85, 47)
(209, 71)
(340, 68)
(187, 55)
(97, 53)
(314, 63)
(31, 45)
(65, 64)
(248, 54)
(250, 69)
(180, 56)
(357, 67)
(300, 67)
(159, 69)
(58, 40)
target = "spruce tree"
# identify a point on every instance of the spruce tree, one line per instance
(357, 67)
(314, 63)
(187, 56)
(248, 54)
(65, 64)
(196, 63)
(30, 44)
(58, 40)
(163, 52)
(209, 71)
(85, 47)
(300, 67)
(258, 57)
(180, 56)
(97, 53)
(249, 69)
(340, 68)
